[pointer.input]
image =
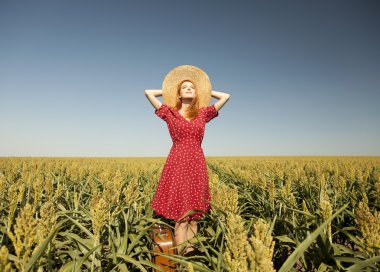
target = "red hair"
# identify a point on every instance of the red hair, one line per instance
(192, 112)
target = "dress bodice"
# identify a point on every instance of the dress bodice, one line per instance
(186, 132)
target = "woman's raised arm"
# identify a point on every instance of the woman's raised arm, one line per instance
(151, 95)
(222, 99)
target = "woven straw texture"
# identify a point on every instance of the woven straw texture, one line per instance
(189, 72)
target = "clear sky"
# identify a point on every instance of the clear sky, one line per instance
(304, 76)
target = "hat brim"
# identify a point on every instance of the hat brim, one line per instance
(189, 72)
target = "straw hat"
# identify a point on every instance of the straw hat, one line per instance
(189, 72)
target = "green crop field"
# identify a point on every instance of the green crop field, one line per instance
(267, 214)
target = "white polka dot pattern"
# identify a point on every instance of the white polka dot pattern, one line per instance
(183, 184)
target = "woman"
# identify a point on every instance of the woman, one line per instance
(183, 185)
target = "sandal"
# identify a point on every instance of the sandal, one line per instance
(194, 252)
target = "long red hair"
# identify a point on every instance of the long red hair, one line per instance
(192, 112)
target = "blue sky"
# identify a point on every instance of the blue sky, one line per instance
(303, 75)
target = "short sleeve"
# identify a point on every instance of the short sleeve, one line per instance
(210, 113)
(162, 111)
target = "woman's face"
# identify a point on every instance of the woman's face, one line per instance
(187, 90)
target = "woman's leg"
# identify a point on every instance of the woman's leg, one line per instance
(180, 234)
(191, 231)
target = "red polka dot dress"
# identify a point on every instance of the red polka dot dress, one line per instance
(183, 185)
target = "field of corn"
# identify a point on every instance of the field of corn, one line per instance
(268, 214)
